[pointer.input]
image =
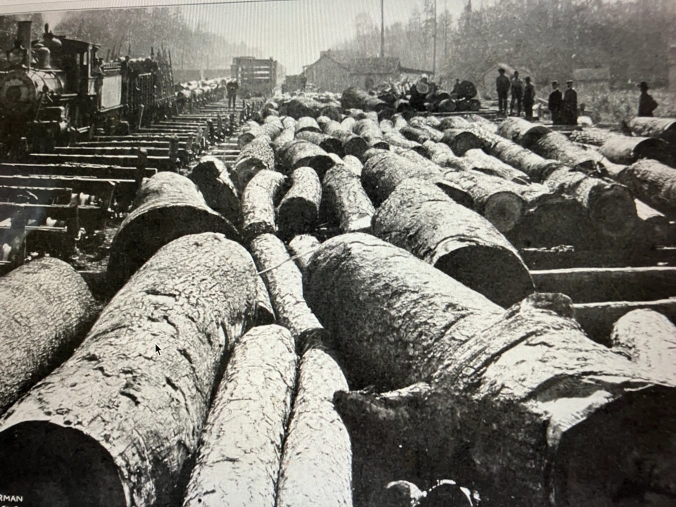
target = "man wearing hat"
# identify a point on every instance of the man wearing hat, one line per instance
(569, 110)
(517, 94)
(555, 102)
(502, 86)
(646, 103)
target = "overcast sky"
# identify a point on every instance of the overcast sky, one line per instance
(292, 32)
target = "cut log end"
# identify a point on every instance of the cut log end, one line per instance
(614, 212)
(503, 210)
(626, 467)
(49, 465)
(506, 282)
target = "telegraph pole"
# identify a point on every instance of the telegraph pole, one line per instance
(382, 29)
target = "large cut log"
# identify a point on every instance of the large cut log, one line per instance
(558, 147)
(248, 132)
(648, 339)
(303, 106)
(115, 424)
(662, 128)
(286, 136)
(461, 141)
(352, 143)
(452, 122)
(384, 171)
(626, 150)
(496, 199)
(355, 98)
(354, 165)
(307, 123)
(259, 199)
(299, 209)
(609, 206)
(301, 153)
(420, 218)
(522, 132)
(326, 143)
(591, 136)
(346, 201)
(265, 314)
(212, 178)
(301, 248)
(369, 130)
(239, 457)
(651, 182)
(317, 462)
(389, 313)
(285, 286)
(536, 167)
(415, 134)
(487, 164)
(442, 155)
(167, 206)
(395, 138)
(46, 309)
(422, 123)
(256, 156)
(529, 411)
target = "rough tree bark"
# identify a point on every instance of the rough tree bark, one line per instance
(167, 206)
(354, 165)
(652, 182)
(530, 412)
(285, 286)
(626, 150)
(487, 164)
(558, 147)
(286, 136)
(256, 156)
(302, 247)
(420, 218)
(346, 201)
(115, 424)
(648, 339)
(239, 457)
(307, 123)
(536, 167)
(258, 203)
(369, 130)
(299, 209)
(46, 310)
(442, 155)
(662, 128)
(395, 138)
(461, 141)
(212, 178)
(265, 314)
(317, 462)
(352, 143)
(522, 132)
(299, 153)
(359, 99)
(326, 143)
(402, 312)
(452, 122)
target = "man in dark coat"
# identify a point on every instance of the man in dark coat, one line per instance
(569, 110)
(555, 102)
(517, 94)
(646, 103)
(528, 98)
(231, 89)
(502, 86)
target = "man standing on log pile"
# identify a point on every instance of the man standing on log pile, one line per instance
(555, 102)
(502, 86)
(231, 89)
(517, 94)
(646, 103)
(569, 116)
(528, 99)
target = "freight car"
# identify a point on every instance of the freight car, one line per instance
(57, 89)
(256, 77)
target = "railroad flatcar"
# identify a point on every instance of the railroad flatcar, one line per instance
(256, 77)
(57, 88)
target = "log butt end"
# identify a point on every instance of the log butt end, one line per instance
(606, 461)
(51, 465)
(504, 210)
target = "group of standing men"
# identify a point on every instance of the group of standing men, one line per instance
(562, 106)
(521, 94)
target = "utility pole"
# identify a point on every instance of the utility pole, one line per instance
(382, 29)
(434, 50)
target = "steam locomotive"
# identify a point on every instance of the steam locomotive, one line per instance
(57, 90)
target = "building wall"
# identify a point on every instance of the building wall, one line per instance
(328, 75)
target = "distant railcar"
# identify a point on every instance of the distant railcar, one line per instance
(256, 77)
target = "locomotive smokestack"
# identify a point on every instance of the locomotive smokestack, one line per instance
(24, 35)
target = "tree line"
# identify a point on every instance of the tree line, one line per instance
(550, 38)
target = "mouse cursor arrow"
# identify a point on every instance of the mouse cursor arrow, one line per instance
(157, 349)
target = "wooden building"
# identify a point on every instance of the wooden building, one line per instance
(337, 70)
